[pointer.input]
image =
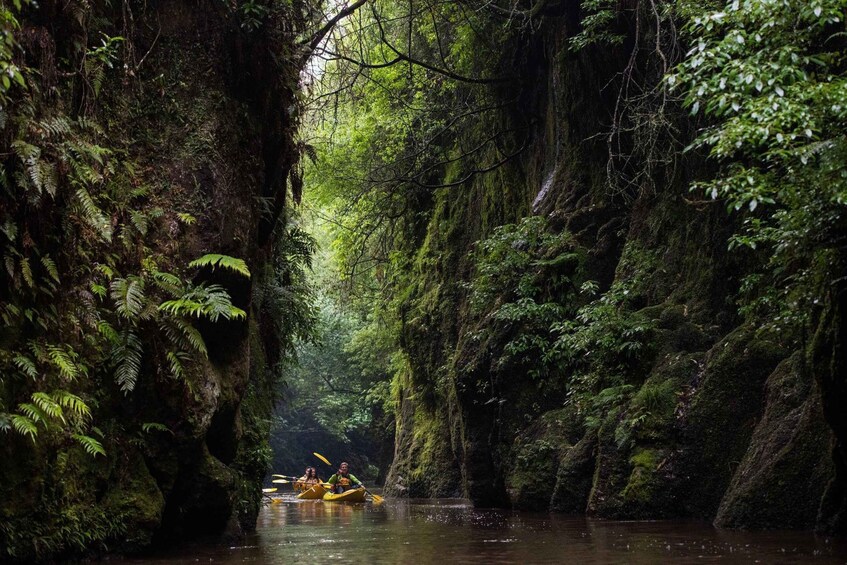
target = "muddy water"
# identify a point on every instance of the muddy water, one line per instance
(449, 532)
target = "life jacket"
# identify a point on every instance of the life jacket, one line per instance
(343, 481)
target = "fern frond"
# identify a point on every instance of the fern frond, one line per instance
(127, 355)
(54, 128)
(214, 260)
(168, 282)
(93, 215)
(48, 406)
(73, 403)
(91, 445)
(26, 272)
(192, 337)
(140, 221)
(186, 218)
(98, 289)
(155, 427)
(51, 268)
(25, 365)
(175, 360)
(63, 360)
(24, 426)
(212, 302)
(35, 414)
(128, 295)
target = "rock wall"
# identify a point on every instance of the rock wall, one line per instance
(201, 109)
(699, 415)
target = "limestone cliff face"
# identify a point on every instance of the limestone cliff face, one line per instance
(202, 110)
(704, 417)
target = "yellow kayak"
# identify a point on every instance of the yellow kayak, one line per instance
(314, 493)
(352, 495)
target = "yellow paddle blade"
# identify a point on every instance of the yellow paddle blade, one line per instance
(283, 476)
(280, 481)
(377, 499)
(268, 490)
(322, 458)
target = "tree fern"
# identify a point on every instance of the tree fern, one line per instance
(214, 260)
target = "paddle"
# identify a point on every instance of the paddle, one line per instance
(281, 481)
(268, 490)
(376, 498)
(285, 477)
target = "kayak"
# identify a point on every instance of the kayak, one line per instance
(314, 493)
(352, 495)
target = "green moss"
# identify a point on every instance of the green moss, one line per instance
(642, 482)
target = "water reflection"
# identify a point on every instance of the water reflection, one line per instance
(450, 531)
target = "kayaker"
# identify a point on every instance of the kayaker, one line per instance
(344, 480)
(309, 479)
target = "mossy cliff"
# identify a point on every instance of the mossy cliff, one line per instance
(613, 375)
(193, 109)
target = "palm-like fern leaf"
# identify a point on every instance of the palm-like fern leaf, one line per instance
(214, 260)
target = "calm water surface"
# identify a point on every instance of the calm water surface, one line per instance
(451, 532)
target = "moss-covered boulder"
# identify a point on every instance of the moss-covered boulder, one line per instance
(536, 458)
(720, 415)
(782, 478)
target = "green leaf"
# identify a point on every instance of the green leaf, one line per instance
(214, 260)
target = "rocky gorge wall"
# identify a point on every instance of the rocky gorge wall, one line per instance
(191, 109)
(663, 401)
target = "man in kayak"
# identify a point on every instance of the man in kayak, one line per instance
(344, 480)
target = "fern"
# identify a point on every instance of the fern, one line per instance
(140, 221)
(186, 218)
(169, 283)
(128, 295)
(50, 266)
(91, 445)
(212, 302)
(35, 414)
(175, 360)
(63, 360)
(214, 260)
(73, 403)
(25, 365)
(24, 426)
(127, 355)
(155, 427)
(26, 272)
(92, 214)
(48, 406)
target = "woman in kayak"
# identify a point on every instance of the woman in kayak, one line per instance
(344, 480)
(309, 479)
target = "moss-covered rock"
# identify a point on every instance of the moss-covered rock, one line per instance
(719, 419)
(536, 455)
(782, 478)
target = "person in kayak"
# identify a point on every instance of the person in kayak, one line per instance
(309, 479)
(344, 480)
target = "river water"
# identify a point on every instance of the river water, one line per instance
(450, 532)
